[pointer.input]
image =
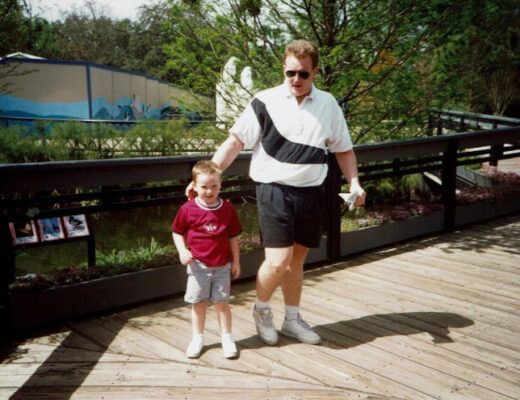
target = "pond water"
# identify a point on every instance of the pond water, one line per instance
(118, 230)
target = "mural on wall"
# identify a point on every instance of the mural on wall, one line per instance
(47, 90)
(79, 90)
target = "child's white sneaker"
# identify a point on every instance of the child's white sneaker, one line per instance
(229, 348)
(195, 347)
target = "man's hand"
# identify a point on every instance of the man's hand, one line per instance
(360, 195)
(190, 192)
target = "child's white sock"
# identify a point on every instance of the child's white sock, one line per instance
(260, 305)
(226, 337)
(291, 312)
(198, 337)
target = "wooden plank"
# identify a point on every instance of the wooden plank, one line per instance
(188, 393)
(348, 343)
(415, 312)
(401, 341)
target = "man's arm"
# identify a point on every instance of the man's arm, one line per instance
(228, 151)
(347, 163)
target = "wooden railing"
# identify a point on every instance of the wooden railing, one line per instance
(460, 121)
(84, 187)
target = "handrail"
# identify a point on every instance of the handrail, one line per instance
(440, 119)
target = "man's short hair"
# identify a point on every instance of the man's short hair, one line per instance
(301, 49)
(204, 167)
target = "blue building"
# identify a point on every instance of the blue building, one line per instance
(41, 88)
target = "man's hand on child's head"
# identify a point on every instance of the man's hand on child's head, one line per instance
(190, 192)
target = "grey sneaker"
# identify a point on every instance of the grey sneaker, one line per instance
(299, 329)
(265, 326)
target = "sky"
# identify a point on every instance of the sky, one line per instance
(54, 9)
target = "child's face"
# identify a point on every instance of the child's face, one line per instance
(207, 187)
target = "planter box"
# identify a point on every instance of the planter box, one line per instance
(31, 309)
(391, 232)
(486, 209)
(36, 308)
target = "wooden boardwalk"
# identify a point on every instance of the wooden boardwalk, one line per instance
(436, 318)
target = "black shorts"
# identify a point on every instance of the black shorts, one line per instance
(289, 214)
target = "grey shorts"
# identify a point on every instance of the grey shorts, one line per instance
(207, 283)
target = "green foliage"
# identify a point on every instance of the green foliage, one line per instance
(386, 61)
(82, 141)
(153, 255)
(396, 190)
(18, 146)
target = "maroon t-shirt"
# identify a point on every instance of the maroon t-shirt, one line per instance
(207, 230)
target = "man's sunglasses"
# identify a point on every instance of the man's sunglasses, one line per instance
(301, 74)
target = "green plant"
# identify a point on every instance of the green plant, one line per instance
(19, 145)
(113, 263)
(142, 257)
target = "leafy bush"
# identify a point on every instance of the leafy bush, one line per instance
(79, 141)
(17, 145)
(114, 263)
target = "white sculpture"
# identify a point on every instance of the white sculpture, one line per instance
(232, 94)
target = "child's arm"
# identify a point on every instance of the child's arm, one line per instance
(235, 253)
(184, 254)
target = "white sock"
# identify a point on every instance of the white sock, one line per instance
(198, 337)
(291, 312)
(260, 305)
(226, 337)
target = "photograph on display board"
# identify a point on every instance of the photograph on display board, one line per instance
(50, 229)
(76, 225)
(23, 232)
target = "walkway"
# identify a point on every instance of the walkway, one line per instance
(433, 318)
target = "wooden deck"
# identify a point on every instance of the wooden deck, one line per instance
(433, 318)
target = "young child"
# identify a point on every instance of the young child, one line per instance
(205, 233)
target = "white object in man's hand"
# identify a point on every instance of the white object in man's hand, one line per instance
(349, 198)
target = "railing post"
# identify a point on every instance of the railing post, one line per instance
(439, 124)
(7, 274)
(449, 181)
(496, 153)
(333, 212)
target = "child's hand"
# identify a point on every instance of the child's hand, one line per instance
(235, 270)
(186, 257)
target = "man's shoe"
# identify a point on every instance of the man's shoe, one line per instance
(194, 348)
(264, 325)
(299, 329)
(229, 349)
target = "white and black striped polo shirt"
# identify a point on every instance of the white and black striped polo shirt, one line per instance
(290, 140)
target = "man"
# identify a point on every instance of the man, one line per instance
(290, 129)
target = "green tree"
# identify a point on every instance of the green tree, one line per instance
(481, 57)
(89, 34)
(14, 26)
(374, 54)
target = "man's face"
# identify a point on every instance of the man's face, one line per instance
(298, 85)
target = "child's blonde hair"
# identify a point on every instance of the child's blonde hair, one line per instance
(204, 167)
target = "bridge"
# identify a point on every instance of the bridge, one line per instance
(429, 311)
(433, 318)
